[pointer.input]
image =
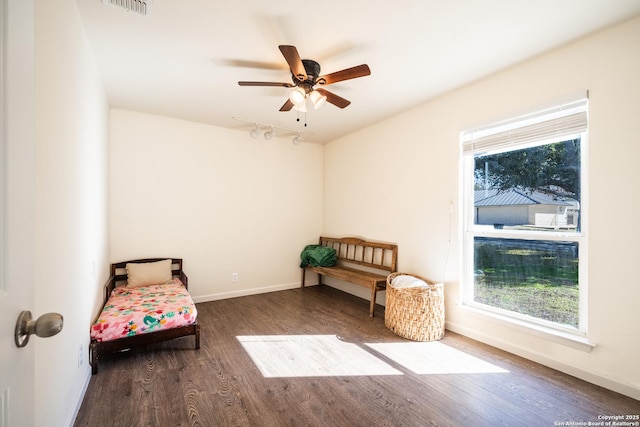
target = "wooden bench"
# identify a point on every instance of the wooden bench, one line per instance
(360, 262)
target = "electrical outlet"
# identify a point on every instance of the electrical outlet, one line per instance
(80, 356)
(234, 277)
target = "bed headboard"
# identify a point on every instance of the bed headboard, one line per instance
(119, 273)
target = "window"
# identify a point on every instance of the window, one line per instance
(524, 209)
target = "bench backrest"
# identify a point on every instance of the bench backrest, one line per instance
(382, 256)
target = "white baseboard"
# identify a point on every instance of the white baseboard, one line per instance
(611, 384)
(71, 418)
(245, 292)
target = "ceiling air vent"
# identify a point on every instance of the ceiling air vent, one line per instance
(142, 7)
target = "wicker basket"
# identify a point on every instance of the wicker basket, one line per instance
(415, 313)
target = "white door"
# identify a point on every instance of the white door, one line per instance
(17, 213)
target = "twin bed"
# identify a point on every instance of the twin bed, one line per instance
(146, 301)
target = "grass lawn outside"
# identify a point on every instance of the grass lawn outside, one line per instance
(534, 278)
(554, 303)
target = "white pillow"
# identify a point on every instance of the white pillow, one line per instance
(148, 273)
(407, 281)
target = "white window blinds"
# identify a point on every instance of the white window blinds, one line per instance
(563, 121)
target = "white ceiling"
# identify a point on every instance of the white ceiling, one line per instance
(185, 59)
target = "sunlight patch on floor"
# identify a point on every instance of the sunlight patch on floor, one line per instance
(278, 356)
(434, 358)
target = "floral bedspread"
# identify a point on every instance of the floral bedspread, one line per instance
(135, 311)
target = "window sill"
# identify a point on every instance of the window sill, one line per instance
(565, 338)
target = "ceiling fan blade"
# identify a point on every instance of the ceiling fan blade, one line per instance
(265, 84)
(242, 63)
(290, 53)
(349, 73)
(334, 99)
(287, 106)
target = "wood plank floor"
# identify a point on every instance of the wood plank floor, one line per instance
(171, 384)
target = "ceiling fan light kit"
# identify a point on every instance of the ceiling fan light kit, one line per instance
(305, 74)
(297, 96)
(302, 107)
(317, 99)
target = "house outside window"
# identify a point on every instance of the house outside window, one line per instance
(524, 210)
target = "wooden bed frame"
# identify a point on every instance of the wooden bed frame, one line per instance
(119, 275)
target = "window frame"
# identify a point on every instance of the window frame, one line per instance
(470, 230)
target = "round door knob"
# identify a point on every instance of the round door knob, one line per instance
(47, 325)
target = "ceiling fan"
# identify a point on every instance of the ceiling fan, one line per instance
(305, 74)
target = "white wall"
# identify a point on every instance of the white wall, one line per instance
(415, 158)
(222, 201)
(71, 221)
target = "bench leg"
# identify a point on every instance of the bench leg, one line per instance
(372, 304)
(319, 279)
(302, 282)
